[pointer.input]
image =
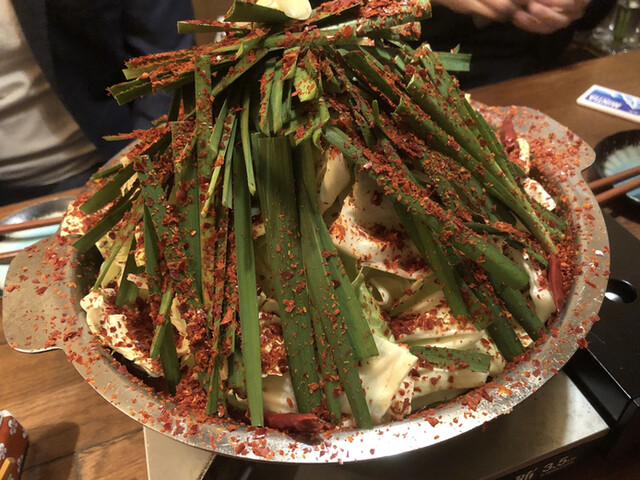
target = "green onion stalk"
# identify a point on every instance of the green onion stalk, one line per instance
(251, 115)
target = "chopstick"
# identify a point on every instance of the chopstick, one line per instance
(613, 179)
(18, 227)
(6, 257)
(617, 191)
(5, 470)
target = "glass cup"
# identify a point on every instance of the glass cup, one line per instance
(620, 31)
(626, 33)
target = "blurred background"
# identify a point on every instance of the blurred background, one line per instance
(209, 9)
(609, 26)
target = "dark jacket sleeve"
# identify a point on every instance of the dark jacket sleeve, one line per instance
(151, 27)
(82, 46)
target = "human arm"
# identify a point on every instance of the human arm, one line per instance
(538, 16)
(498, 10)
(548, 16)
(150, 26)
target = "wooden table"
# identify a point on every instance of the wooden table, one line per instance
(75, 434)
(555, 94)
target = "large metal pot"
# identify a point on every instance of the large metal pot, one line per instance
(40, 320)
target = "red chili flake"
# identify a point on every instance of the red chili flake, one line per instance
(69, 335)
(179, 429)
(11, 288)
(505, 390)
(41, 290)
(345, 32)
(263, 452)
(289, 305)
(433, 421)
(472, 399)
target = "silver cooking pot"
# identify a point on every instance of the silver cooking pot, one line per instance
(35, 322)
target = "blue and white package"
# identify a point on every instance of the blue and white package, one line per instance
(611, 101)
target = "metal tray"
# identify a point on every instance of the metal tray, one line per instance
(51, 319)
(22, 239)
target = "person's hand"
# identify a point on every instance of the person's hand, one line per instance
(547, 16)
(539, 16)
(498, 10)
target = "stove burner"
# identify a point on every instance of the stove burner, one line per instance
(621, 291)
(606, 372)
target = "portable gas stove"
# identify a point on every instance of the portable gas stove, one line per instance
(593, 404)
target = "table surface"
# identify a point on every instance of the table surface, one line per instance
(75, 434)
